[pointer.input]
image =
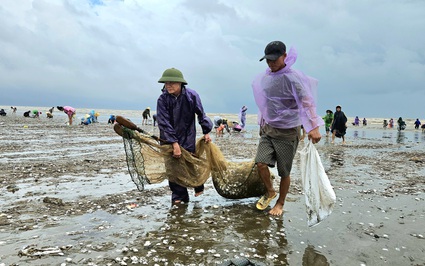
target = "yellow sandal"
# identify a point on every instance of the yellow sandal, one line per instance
(264, 202)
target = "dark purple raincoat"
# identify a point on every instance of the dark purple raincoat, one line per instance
(176, 117)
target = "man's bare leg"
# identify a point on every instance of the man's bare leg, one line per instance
(277, 210)
(264, 172)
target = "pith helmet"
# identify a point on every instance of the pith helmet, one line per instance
(172, 75)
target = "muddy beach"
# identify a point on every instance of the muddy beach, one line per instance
(67, 199)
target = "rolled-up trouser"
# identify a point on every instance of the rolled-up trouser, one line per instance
(180, 192)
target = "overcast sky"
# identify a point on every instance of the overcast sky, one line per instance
(369, 56)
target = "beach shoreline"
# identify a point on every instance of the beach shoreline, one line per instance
(372, 122)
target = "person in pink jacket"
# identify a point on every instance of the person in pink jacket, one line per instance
(285, 100)
(70, 111)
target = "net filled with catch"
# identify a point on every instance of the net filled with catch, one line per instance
(150, 162)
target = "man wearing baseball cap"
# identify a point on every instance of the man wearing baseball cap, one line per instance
(285, 100)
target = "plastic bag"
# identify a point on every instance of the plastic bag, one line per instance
(319, 194)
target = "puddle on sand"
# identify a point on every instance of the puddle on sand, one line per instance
(393, 136)
(51, 151)
(69, 187)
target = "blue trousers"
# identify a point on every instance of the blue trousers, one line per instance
(180, 192)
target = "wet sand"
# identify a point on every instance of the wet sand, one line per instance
(67, 199)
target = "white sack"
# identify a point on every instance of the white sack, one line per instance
(319, 194)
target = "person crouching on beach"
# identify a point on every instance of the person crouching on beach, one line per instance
(176, 110)
(285, 102)
(391, 124)
(70, 111)
(112, 119)
(36, 114)
(220, 124)
(146, 113)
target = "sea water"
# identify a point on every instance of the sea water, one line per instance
(354, 134)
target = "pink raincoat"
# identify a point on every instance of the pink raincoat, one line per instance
(69, 110)
(286, 98)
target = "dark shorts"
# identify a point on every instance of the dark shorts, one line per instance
(271, 151)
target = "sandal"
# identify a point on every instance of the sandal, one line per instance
(264, 202)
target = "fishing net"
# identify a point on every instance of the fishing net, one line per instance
(232, 180)
(149, 162)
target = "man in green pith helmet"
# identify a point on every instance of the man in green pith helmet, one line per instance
(176, 110)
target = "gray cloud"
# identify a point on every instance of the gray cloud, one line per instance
(366, 56)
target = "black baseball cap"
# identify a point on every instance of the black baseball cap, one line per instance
(274, 50)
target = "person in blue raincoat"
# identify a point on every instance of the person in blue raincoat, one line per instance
(417, 123)
(93, 116)
(111, 119)
(86, 119)
(176, 109)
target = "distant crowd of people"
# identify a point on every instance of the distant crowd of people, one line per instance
(220, 123)
(335, 123)
(87, 119)
(401, 124)
(357, 121)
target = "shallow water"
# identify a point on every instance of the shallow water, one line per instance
(390, 135)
